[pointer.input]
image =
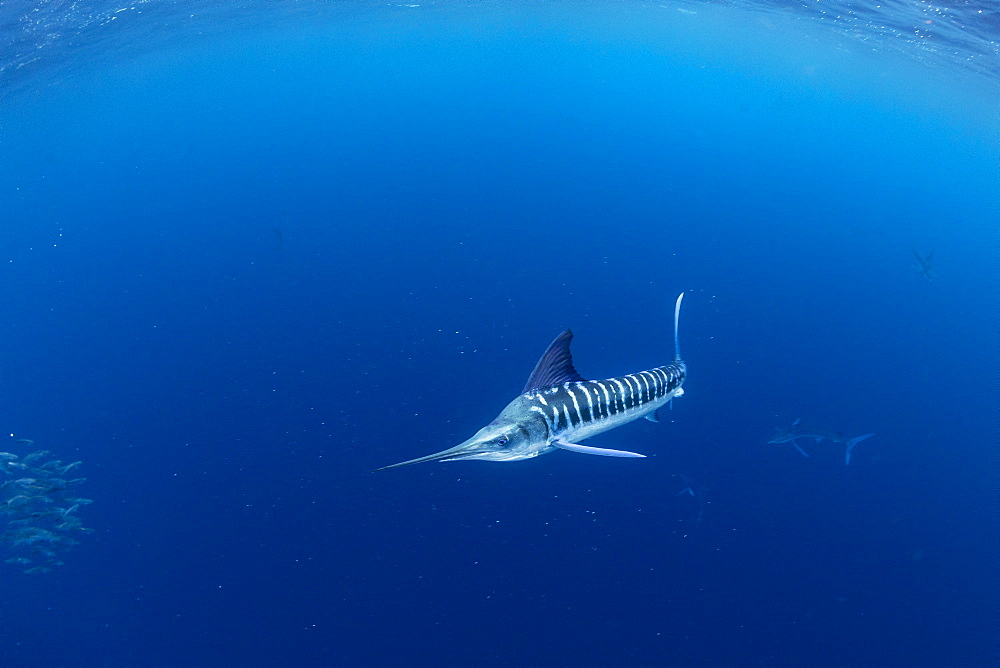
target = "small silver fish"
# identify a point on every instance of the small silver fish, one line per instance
(33, 456)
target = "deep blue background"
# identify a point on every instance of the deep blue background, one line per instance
(239, 274)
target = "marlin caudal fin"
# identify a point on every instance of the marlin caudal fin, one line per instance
(850, 446)
(555, 366)
(677, 320)
(677, 346)
(587, 450)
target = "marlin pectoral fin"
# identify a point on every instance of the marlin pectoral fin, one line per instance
(799, 448)
(587, 450)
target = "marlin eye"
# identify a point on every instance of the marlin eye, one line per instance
(502, 440)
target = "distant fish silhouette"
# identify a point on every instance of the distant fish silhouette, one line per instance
(696, 492)
(923, 265)
(797, 430)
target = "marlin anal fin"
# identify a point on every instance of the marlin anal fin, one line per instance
(555, 366)
(587, 450)
(653, 417)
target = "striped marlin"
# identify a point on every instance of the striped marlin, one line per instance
(797, 430)
(558, 407)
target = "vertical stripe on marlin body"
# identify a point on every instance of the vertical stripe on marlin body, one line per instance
(558, 407)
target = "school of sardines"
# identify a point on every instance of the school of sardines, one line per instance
(38, 510)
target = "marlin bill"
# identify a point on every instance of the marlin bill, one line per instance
(558, 408)
(795, 431)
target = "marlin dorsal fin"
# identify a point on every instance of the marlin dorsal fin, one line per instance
(555, 367)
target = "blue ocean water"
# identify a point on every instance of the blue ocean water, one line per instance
(252, 251)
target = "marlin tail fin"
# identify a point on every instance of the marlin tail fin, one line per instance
(850, 446)
(677, 319)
